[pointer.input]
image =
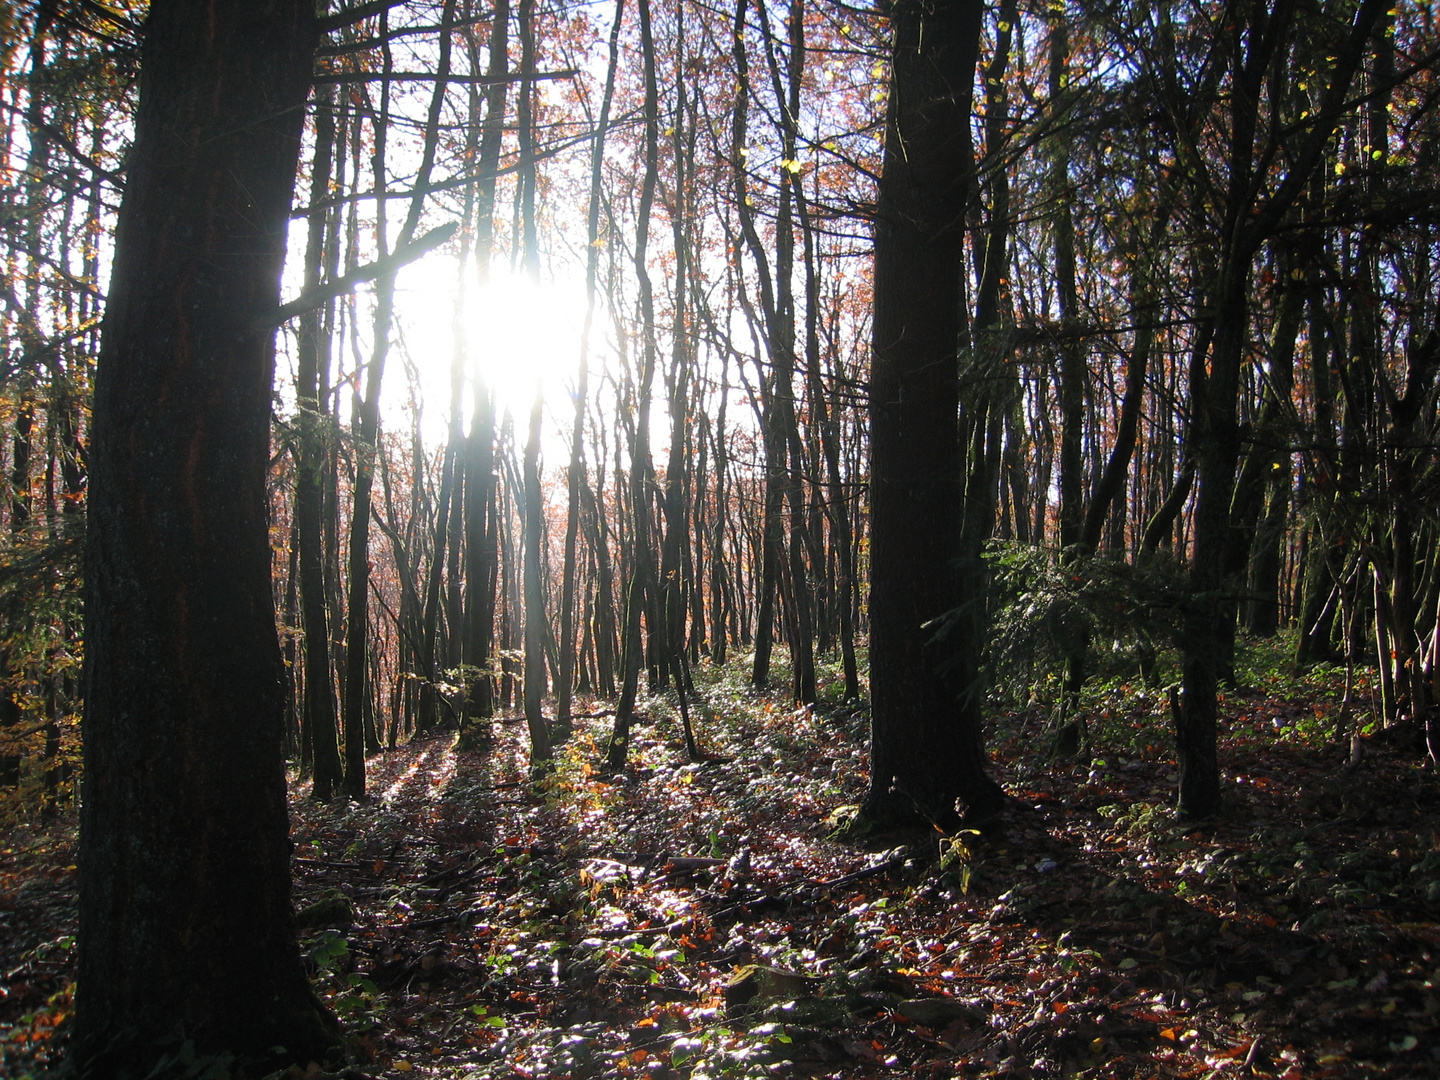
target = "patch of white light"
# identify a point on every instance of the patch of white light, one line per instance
(519, 334)
(405, 777)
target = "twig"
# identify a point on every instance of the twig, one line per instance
(1252, 1053)
(869, 871)
(427, 76)
(791, 894)
(427, 924)
(341, 19)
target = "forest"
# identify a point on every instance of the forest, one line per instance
(608, 538)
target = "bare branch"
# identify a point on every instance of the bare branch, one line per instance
(430, 76)
(323, 293)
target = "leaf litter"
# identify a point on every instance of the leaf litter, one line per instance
(693, 919)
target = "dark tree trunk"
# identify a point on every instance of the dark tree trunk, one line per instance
(673, 580)
(20, 467)
(185, 918)
(604, 612)
(294, 742)
(37, 196)
(312, 349)
(772, 531)
(719, 622)
(1261, 529)
(801, 601)
(532, 516)
(836, 499)
(365, 430)
(534, 522)
(481, 559)
(1071, 355)
(1209, 625)
(1110, 487)
(641, 585)
(481, 536)
(575, 474)
(926, 743)
(1317, 606)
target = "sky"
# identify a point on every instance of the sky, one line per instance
(519, 331)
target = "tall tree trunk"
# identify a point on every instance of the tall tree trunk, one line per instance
(533, 507)
(575, 475)
(772, 532)
(802, 619)
(185, 915)
(367, 417)
(442, 591)
(1111, 485)
(988, 389)
(481, 535)
(1209, 629)
(534, 524)
(1259, 531)
(836, 498)
(641, 585)
(311, 462)
(1071, 350)
(719, 623)
(1317, 606)
(37, 199)
(926, 743)
(672, 580)
(365, 431)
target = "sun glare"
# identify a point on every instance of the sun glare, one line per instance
(519, 333)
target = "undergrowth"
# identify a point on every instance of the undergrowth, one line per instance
(691, 919)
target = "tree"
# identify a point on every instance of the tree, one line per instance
(641, 586)
(312, 458)
(926, 749)
(481, 535)
(366, 425)
(575, 476)
(186, 926)
(1209, 632)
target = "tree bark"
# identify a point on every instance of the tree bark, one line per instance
(481, 536)
(926, 743)
(1110, 487)
(641, 585)
(1070, 354)
(186, 925)
(575, 475)
(534, 593)
(311, 462)
(367, 417)
(773, 529)
(1209, 625)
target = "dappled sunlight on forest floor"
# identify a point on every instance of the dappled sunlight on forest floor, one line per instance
(692, 919)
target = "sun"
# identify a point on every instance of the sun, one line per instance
(521, 334)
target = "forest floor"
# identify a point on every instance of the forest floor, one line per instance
(693, 919)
